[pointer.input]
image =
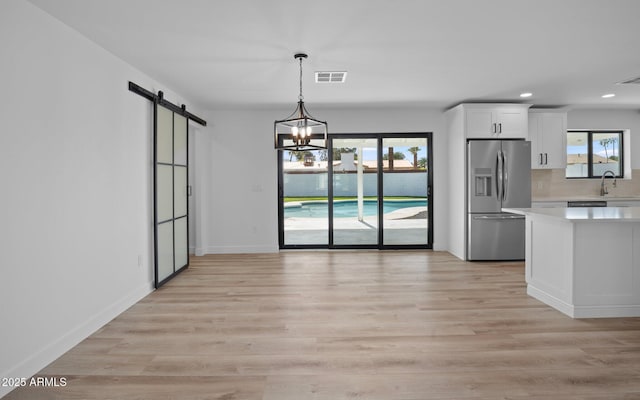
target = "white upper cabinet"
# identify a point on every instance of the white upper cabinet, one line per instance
(496, 121)
(548, 135)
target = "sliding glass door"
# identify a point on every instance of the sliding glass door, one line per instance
(365, 191)
(405, 178)
(354, 192)
(303, 205)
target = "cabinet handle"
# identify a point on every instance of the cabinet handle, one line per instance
(546, 159)
(540, 163)
(493, 128)
(500, 127)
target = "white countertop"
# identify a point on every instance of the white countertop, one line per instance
(583, 214)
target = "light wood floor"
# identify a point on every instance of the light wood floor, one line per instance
(349, 325)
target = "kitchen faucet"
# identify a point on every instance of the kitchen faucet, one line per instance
(603, 188)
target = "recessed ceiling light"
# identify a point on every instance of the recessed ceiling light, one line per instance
(526, 94)
(608, 95)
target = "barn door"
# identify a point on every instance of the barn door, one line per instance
(170, 194)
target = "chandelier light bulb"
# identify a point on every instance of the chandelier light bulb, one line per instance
(294, 130)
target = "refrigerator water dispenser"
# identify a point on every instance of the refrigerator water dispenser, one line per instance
(482, 181)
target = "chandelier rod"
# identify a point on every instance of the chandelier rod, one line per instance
(300, 97)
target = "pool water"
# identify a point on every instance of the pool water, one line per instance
(349, 208)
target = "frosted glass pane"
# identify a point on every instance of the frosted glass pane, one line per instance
(164, 136)
(180, 191)
(181, 245)
(165, 250)
(179, 140)
(164, 192)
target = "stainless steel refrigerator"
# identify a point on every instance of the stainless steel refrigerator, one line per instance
(498, 175)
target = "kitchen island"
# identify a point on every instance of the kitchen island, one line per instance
(585, 262)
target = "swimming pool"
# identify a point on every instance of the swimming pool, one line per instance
(345, 208)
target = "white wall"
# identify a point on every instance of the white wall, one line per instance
(75, 156)
(243, 200)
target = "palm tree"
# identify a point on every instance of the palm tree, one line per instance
(414, 151)
(397, 155)
(606, 142)
(422, 163)
(299, 155)
(323, 155)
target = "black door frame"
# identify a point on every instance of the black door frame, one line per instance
(380, 195)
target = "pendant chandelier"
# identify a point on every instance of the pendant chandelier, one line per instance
(300, 131)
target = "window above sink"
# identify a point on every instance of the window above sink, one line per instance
(592, 152)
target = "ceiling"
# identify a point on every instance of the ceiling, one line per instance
(433, 53)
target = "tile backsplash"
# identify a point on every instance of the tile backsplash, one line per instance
(551, 183)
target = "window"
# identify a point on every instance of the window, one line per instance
(591, 153)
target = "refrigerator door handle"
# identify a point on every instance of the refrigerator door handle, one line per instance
(505, 176)
(498, 175)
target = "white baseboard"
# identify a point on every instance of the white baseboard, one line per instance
(577, 311)
(246, 249)
(58, 346)
(619, 311)
(552, 301)
(240, 249)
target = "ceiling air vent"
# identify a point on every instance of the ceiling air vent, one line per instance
(632, 81)
(331, 76)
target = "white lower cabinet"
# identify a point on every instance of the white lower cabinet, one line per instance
(584, 268)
